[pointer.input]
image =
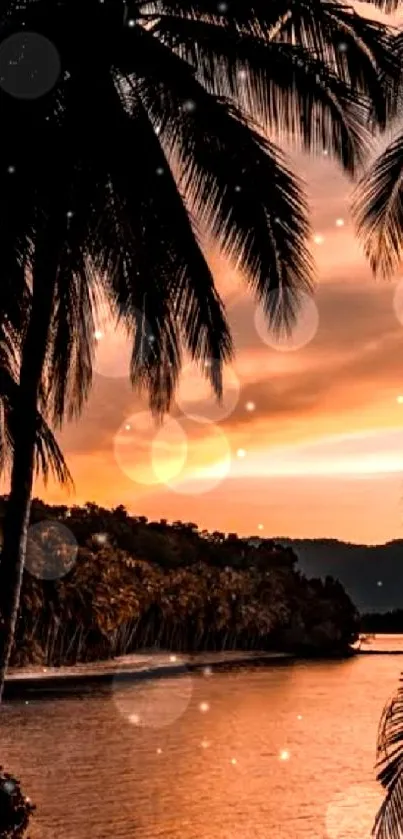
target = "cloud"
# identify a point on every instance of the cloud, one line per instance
(354, 357)
(334, 400)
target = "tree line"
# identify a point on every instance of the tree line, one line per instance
(382, 622)
(138, 584)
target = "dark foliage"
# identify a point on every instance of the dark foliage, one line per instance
(138, 583)
(15, 808)
(388, 622)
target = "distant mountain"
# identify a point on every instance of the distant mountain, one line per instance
(371, 574)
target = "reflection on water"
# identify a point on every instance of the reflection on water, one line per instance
(387, 643)
(284, 751)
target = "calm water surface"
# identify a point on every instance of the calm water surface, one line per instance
(285, 751)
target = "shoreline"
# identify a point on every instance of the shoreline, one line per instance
(44, 680)
(85, 676)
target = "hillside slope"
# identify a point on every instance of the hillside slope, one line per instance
(371, 575)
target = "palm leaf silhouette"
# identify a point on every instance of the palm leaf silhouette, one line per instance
(48, 455)
(308, 42)
(378, 208)
(386, 5)
(389, 820)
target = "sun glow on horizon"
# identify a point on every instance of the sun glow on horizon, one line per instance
(363, 453)
(356, 454)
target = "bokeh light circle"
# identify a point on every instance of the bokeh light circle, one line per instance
(208, 460)
(51, 550)
(304, 330)
(195, 396)
(114, 343)
(29, 65)
(153, 704)
(148, 454)
(351, 813)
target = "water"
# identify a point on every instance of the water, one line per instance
(284, 751)
(385, 643)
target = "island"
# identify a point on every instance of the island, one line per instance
(101, 584)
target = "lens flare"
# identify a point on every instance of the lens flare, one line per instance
(206, 464)
(51, 550)
(303, 331)
(29, 65)
(195, 396)
(154, 704)
(149, 455)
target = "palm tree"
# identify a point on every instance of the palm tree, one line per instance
(47, 456)
(83, 211)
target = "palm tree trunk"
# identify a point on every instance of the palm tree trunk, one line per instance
(33, 356)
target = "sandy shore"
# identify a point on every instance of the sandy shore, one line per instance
(140, 665)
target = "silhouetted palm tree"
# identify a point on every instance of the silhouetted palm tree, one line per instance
(146, 134)
(48, 457)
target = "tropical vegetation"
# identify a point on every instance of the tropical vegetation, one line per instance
(192, 90)
(390, 622)
(136, 584)
(15, 808)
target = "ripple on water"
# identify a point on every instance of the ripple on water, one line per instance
(94, 774)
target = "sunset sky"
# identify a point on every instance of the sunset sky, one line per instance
(308, 443)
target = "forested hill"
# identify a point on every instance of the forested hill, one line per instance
(371, 575)
(100, 583)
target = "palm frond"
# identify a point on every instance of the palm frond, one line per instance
(238, 182)
(49, 458)
(267, 19)
(352, 45)
(378, 208)
(397, 46)
(334, 46)
(295, 94)
(387, 6)
(159, 281)
(79, 199)
(71, 348)
(389, 819)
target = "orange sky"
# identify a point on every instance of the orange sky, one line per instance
(308, 443)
